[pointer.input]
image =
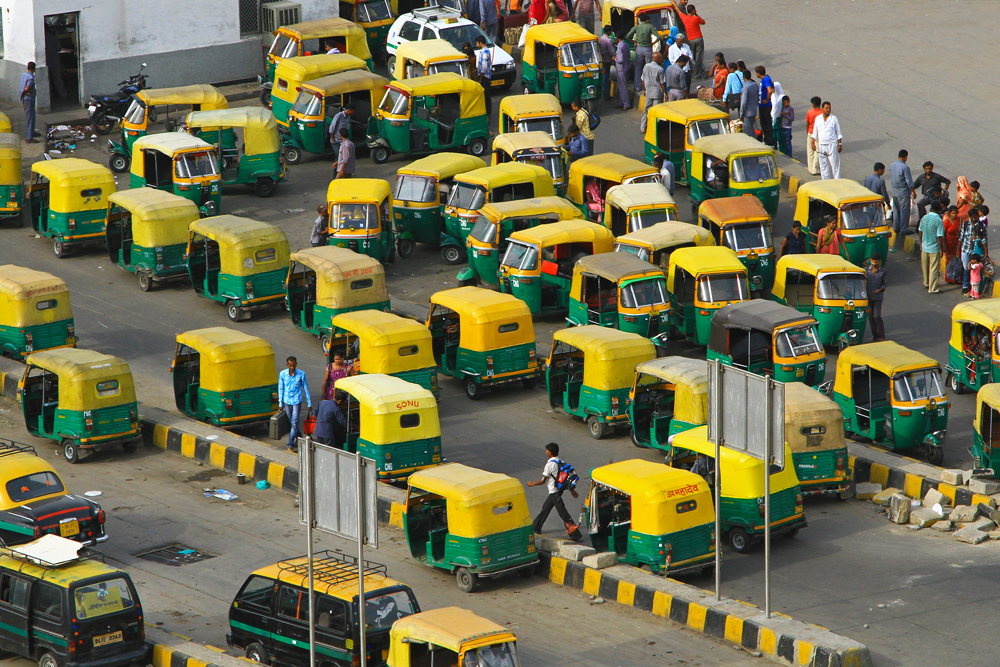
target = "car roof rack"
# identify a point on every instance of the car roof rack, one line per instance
(332, 567)
(51, 552)
(435, 13)
(11, 447)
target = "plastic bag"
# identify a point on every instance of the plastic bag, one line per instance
(954, 271)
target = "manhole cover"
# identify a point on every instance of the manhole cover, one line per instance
(176, 555)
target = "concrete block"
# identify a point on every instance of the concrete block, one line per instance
(943, 526)
(964, 513)
(970, 535)
(983, 523)
(866, 490)
(575, 552)
(601, 560)
(934, 497)
(994, 534)
(550, 545)
(984, 486)
(882, 497)
(899, 508)
(953, 477)
(966, 476)
(924, 517)
(914, 527)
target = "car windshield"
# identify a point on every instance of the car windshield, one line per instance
(459, 67)
(415, 188)
(644, 293)
(863, 215)
(755, 168)
(723, 287)
(549, 125)
(23, 489)
(381, 611)
(498, 655)
(377, 10)
(136, 113)
(798, 341)
(917, 386)
(706, 128)
(842, 286)
(192, 165)
(662, 20)
(521, 256)
(484, 230)
(751, 236)
(395, 102)
(103, 598)
(578, 53)
(354, 216)
(649, 217)
(467, 196)
(458, 35)
(640, 252)
(307, 104)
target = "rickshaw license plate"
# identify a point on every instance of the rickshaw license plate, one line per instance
(588, 75)
(69, 529)
(111, 638)
(496, 82)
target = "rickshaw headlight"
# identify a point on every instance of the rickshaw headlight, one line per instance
(824, 309)
(388, 457)
(591, 90)
(788, 369)
(757, 281)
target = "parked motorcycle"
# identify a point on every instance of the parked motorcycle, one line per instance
(105, 111)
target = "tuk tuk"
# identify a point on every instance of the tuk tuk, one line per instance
(454, 637)
(538, 112)
(237, 261)
(474, 189)
(291, 73)
(430, 114)
(327, 281)
(82, 399)
(320, 100)
(147, 233)
(620, 291)
(422, 189)
(669, 395)
(814, 431)
(67, 201)
(11, 183)
(310, 38)
(375, 17)
(483, 338)
(386, 344)
(860, 215)
(589, 374)
(733, 165)
(629, 208)
(470, 522)
(259, 163)
(742, 492)
(623, 15)
(393, 422)
(591, 177)
(561, 59)
(179, 163)
(829, 288)
(742, 224)
(35, 312)
(766, 338)
(538, 264)
(532, 148)
(700, 281)
(487, 242)
(894, 396)
(985, 448)
(425, 57)
(361, 217)
(654, 517)
(673, 127)
(224, 377)
(655, 244)
(973, 357)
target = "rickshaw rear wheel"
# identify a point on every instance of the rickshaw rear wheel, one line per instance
(48, 660)
(119, 163)
(324, 344)
(526, 572)
(597, 427)
(264, 187)
(59, 248)
(233, 310)
(145, 282)
(292, 155)
(265, 98)
(380, 154)
(694, 211)
(708, 571)
(130, 447)
(477, 147)
(405, 247)
(257, 653)
(740, 541)
(472, 389)
(451, 254)
(466, 580)
(792, 533)
(70, 451)
(528, 383)
(955, 384)
(152, 114)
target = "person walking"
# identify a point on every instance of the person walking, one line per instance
(795, 241)
(641, 35)
(321, 228)
(966, 246)
(488, 18)
(692, 29)
(930, 233)
(875, 183)
(933, 187)
(676, 80)
(606, 45)
(748, 104)
(583, 13)
(901, 183)
(828, 142)
(550, 478)
(666, 169)
(582, 119)
(28, 93)
(764, 107)
(623, 58)
(293, 388)
(829, 239)
(484, 72)
(334, 371)
(812, 159)
(342, 120)
(331, 425)
(345, 158)
(674, 52)
(653, 78)
(876, 282)
(787, 116)
(734, 87)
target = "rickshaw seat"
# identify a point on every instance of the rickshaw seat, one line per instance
(550, 268)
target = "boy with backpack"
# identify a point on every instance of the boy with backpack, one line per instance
(558, 476)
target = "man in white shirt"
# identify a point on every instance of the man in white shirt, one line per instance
(827, 141)
(554, 500)
(676, 50)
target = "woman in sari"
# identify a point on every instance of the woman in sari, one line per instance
(338, 369)
(718, 74)
(828, 239)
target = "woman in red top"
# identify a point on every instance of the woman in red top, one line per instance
(718, 74)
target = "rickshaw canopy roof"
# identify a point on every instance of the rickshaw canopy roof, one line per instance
(707, 259)
(346, 82)
(506, 174)
(558, 34)
(837, 192)
(990, 395)
(533, 104)
(383, 400)
(640, 195)
(471, 96)
(668, 233)
(442, 166)
(681, 111)
(231, 360)
(426, 51)
(336, 268)
(637, 5)
(816, 264)
(806, 407)
(302, 68)
(481, 313)
(332, 27)
(567, 231)
(382, 335)
(73, 171)
(511, 142)
(690, 380)
(10, 159)
(170, 143)
(725, 146)
(450, 627)
(985, 312)
(80, 371)
(520, 208)
(22, 289)
(239, 238)
(364, 190)
(759, 315)
(886, 357)
(158, 218)
(733, 210)
(201, 94)
(260, 135)
(608, 167)
(610, 355)
(10, 145)
(616, 266)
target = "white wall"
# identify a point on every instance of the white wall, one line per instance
(312, 10)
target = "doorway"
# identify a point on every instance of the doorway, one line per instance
(62, 57)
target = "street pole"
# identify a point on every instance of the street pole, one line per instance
(768, 435)
(362, 611)
(718, 482)
(307, 489)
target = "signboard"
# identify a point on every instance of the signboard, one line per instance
(740, 400)
(330, 483)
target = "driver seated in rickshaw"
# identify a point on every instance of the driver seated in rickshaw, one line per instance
(716, 173)
(703, 466)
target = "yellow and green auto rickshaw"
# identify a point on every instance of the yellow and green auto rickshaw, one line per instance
(673, 127)
(375, 17)
(393, 422)
(766, 338)
(35, 313)
(623, 15)
(538, 264)
(742, 492)
(239, 262)
(291, 73)
(327, 281)
(973, 351)
(655, 244)
(426, 57)
(422, 189)
(312, 38)
(430, 114)
(381, 342)
(699, 282)
(483, 338)
(224, 377)
(629, 208)
(361, 217)
(67, 202)
(179, 163)
(733, 165)
(590, 371)
(860, 214)
(591, 177)
(814, 431)
(669, 395)
(620, 291)
(147, 233)
(894, 396)
(11, 178)
(742, 224)
(257, 162)
(654, 517)
(470, 522)
(487, 242)
(456, 636)
(561, 59)
(829, 288)
(532, 148)
(82, 399)
(985, 448)
(538, 112)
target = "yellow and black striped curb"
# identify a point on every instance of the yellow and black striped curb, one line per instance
(161, 655)
(915, 486)
(10, 381)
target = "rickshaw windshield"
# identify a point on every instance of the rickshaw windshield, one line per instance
(354, 216)
(395, 102)
(377, 10)
(752, 236)
(458, 35)
(649, 217)
(521, 256)
(643, 253)
(307, 104)
(996, 342)
(917, 385)
(842, 286)
(279, 45)
(455, 67)
(102, 598)
(796, 342)
(644, 293)
(550, 163)
(498, 655)
(862, 215)
(484, 230)
(192, 165)
(723, 287)
(578, 53)
(706, 128)
(754, 168)
(662, 20)
(291, 49)
(550, 126)
(415, 188)
(136, 112)
(648, 178)
(381, 611)
(467, 196)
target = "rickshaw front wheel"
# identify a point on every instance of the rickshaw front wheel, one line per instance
(264, 187)
(405, 247)
(59, 248)
(130, 447)
(70, 453)
(466, 580)
(451, 254)
(48, 660)
(324, 344)
(477, 147)
(292, 155)
(955, 384)
(119, 163)
(598, 429)
(257, 653)
(380, 154)
(233, 310)
(145, 282)
(472, 389)
(935, 455)
(740, 541)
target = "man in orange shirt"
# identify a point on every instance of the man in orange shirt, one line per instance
(812, 157)
(692, 28)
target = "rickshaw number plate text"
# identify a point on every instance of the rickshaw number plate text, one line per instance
(111, 638)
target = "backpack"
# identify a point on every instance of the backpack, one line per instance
(595, 121)
(566, 478)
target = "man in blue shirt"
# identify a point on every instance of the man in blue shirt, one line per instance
(930, 233)
(901, 182)
(734, 86)
(875, 183)
(331, 425)
(27, 87)
(292, 389)
(488, 19)
(578, 146)
(484, 69)
(764, 106)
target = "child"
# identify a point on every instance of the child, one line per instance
(787, 116)
(975, 274)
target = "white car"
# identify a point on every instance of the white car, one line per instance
(448, 24)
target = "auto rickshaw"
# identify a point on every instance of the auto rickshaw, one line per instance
(629, 208)
(829, 288)
(973, 356)
(426, 57)
(393, 422)
(5, 125)
(239, 262)
(179, 163)
(538, 112)
(591, 177)
(422, 189)
(35, 312)
(538, 264)
(860, 215)
(327, 281)
(487, 242)
(82, 399)
(483, 338)
(532, 148)
(147, 233)
(699, 282)
(733, 165)
(428, 115)
(259, 163)
(310, 37)
(224, 377)
(669, 395)
(386, 344)
(814, 431)
(623, 15)
(470, 522)
(361, 217)
(474, 189)
(375, 17)
(655, 517)
(454, 636)
(590, 371)
(620, 291)
(742, 224)
(742, 492)
(985, 448)
(654, 244)
(11, 179)
(894, 396)
(673, 127)
(67, 202)
(766, 338)
(291, 73)
(561, 59)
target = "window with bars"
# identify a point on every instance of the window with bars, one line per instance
(2, 52)
(250, 23)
